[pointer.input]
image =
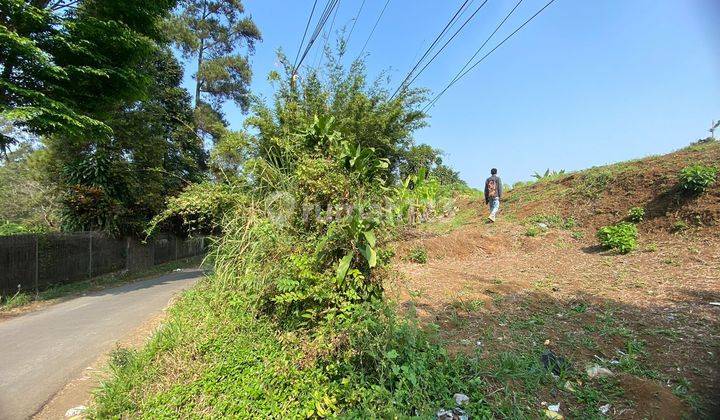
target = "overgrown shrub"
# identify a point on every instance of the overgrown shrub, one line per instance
(15, 301)
(621, 237)
(696, 179)
(419, 198)
(11, 228)
(293, 323)
(197, 210)
(636, 214)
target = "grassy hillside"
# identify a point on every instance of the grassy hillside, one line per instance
(605, 194)
(537, 281)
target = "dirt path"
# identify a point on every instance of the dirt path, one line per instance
(493, 284)
(42, 351)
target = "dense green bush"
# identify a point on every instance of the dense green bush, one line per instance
(621, 237)
(636, 214)
(697, 178)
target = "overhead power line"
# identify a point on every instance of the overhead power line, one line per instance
(469, 69)
(406, 85)
(357, 15)
(497, 28)
(307, 26)
(374, 27)
(329, 7)
(321, 52)
(432, 45)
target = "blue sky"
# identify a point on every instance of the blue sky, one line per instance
(586, 83)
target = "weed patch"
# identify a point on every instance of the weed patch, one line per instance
(636, 214)
(418, 255)
(593, 183)
(533, 231)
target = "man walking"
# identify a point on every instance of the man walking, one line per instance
(493, 193)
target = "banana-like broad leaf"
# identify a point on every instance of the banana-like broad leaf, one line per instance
(370, 238)
(344, 266)
(369, 253)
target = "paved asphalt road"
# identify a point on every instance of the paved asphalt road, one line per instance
(42, 351)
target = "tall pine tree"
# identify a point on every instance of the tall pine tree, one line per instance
(214, 34)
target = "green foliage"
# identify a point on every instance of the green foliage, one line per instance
(198, 210)
(548, 175)
(680, 226)
(636, 214)
(118, 185)
(293, 322)
(594, 182)
(424, 157)
(15, 301)
(12, 228)
(94, 80)
(63, 68)
(553, 221)
(361, 111)
(418, 255)
(419, 198)
(28, 200)
(697, 178)
(533, 231)
(621, 237)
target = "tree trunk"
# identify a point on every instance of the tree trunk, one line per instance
(198, 81)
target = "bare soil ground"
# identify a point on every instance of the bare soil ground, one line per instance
(494, 284)
(647, 315)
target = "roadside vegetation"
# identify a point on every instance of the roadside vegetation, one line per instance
(296, 303)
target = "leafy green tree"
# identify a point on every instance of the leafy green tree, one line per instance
(448, 176)
(211, 32)
(418, 157)
(64, 65)
(118, 184)
(92, 78)
(423, 156)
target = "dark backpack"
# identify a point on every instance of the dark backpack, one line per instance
(492, 188)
